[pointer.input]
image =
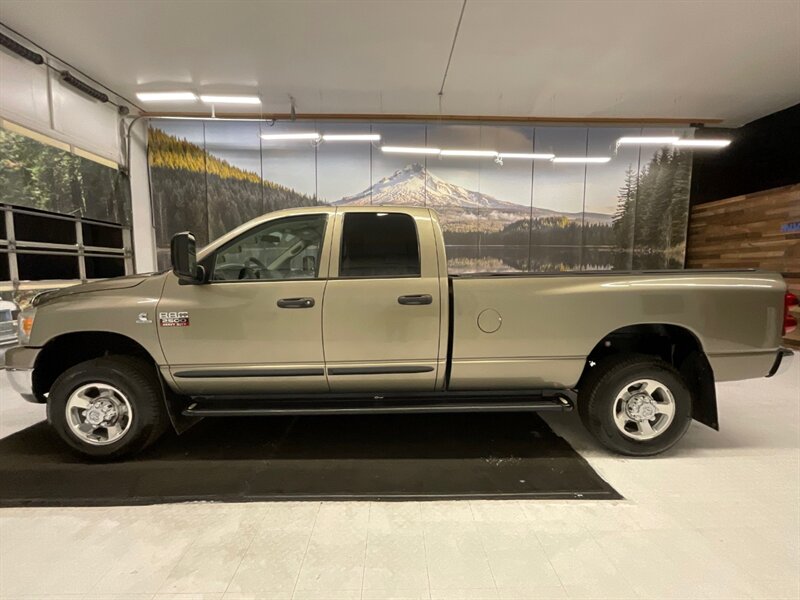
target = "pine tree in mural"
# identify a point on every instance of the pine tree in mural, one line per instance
(652, 212)
(622, 222)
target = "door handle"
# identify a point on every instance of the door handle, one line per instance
(295, 303)
(415, 299)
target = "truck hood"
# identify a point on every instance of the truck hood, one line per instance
(115, 283)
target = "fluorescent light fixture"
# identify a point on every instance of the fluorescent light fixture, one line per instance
(313, 135)
(526, 155)
(166, 96)
(409, 150)
(647, 140)
(703, 143)
(356, 137)
(581, 159)
(475, 153)
(230, 99)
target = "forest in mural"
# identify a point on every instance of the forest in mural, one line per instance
(37, 175)
(629, 214)
(196, 191)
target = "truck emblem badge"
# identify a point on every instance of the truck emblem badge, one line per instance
(142, 319)
(173, 319)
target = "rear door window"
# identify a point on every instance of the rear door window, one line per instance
(379, 245)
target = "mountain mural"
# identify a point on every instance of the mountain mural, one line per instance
(458, 207)
(194, 188)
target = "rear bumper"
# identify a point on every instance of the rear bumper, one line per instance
(783, 359)
(19, 363)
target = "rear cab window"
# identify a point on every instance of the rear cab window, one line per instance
(379, 245)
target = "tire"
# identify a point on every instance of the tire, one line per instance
(127, 391)
(615, 404)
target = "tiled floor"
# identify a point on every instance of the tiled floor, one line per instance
(718, 517)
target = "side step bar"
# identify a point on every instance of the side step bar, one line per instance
(215, 407)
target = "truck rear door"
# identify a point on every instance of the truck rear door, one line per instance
(382, 311)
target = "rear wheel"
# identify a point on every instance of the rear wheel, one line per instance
(635, 404)
(108, 407)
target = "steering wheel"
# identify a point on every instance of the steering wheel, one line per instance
(253, 268)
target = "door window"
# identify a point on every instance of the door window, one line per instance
(379, 245)
(283, 249)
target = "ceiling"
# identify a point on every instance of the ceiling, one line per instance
(729, 60)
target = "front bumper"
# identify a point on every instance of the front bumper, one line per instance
(783, 360)
(19, 362)
(21, 381)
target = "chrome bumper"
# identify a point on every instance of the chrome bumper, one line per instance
(21, 381)
(19, 362)
(783, 360)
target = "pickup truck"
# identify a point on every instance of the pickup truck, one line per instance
(338, 310)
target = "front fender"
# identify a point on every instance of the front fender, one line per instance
(130, 312)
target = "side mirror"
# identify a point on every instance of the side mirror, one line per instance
(184, 258)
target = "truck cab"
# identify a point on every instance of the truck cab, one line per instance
(316, 300)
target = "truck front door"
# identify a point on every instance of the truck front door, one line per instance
(382, 307)
(256, 325)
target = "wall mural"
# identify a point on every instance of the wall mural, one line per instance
(521, 215)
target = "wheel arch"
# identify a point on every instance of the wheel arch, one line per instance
(68, 349)
(677, 345)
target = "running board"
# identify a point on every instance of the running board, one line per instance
(263, 407)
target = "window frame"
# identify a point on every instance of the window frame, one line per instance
(341, 248)
(209, 262)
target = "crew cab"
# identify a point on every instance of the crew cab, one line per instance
(342, 310)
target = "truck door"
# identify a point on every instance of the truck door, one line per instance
(382, 307)
(256, 325)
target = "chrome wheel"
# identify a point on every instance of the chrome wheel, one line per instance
(644, 409)
(98, 414)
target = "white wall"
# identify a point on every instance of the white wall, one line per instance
(144, 242)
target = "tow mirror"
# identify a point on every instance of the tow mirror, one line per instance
(184, 258)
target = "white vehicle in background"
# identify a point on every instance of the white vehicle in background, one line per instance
(8, 322)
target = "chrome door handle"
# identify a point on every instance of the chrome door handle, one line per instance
(295, 303)
(415, 299)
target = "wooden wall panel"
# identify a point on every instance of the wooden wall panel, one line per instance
(746, 232)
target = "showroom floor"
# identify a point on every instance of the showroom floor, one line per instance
(718, 517)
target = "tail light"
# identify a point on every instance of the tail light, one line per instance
(789, 321)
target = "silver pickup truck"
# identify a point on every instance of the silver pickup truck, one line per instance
(351, 310)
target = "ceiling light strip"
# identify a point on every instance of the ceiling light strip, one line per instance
(213, 99)
(704, 143)
(646, 140)
(581, 159)
(311, 135)
(355, 137)
(409, 150)
(527, 155)
(166, 96)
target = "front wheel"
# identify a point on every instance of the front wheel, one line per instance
(108, 407)
(635, 404)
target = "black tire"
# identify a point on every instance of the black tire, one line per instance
(137, 380)
(597, 399)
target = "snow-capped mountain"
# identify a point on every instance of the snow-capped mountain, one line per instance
(410, 186)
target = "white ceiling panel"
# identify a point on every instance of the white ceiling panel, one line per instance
(731, 60)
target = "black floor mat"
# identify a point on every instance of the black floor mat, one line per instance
(391, 457)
